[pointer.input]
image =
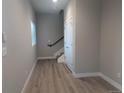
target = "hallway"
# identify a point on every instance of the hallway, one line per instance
(52, 77)
(62, 46)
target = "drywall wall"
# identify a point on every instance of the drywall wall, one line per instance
(111, 39)
(87, 36)
(48, 28)
(17, 15)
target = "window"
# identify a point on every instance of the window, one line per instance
(33, 33)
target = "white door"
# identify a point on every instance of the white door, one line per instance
(68, 42)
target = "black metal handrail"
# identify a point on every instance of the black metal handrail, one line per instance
(57, 41)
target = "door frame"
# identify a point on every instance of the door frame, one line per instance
(73, 44)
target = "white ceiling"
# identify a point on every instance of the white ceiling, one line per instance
(48, 6)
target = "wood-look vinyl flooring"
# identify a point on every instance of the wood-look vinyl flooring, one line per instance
(52, 77)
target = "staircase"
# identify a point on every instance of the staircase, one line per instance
(61, 59)
(60, 55)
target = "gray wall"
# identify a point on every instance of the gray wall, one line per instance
(111, 39)
(48, 28)
(87, 36)
(21, 56)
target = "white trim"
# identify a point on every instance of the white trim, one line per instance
(78, 75)
(43, 58)
(70, 68)
(112, 82)
(28, 78)
(58, 53)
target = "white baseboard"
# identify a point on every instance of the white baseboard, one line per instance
(43, 58)
(28, 78)
(112, 82)
(78, 75)
(70, 68)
